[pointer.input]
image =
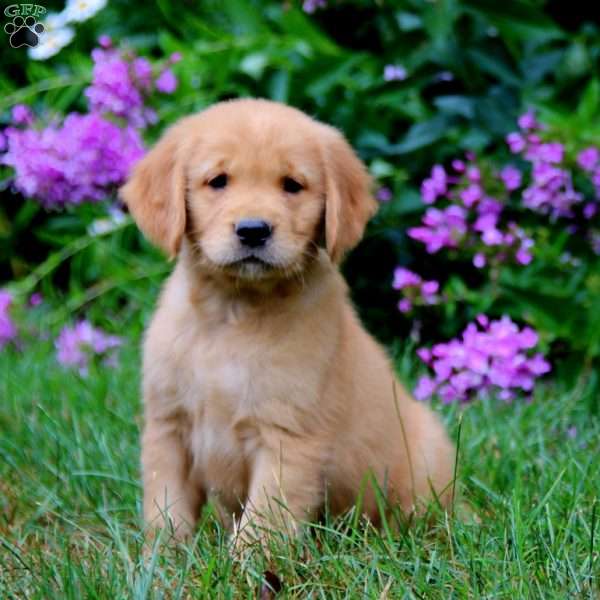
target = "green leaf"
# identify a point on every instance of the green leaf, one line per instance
(494, 66)
(588, 108)
(279, 86)
(422, 134)
(408, 21)
(418, 136)
(456, 105)
(254, 64)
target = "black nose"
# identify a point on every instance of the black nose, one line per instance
(253, 232)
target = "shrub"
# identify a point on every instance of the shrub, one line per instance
(492, 230)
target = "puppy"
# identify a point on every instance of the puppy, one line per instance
(262, 391)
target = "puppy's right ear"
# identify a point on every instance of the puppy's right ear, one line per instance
(155, 192)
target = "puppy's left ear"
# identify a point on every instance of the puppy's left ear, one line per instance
(349, 204)
(155, 191)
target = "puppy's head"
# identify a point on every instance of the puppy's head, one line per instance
(253, 185)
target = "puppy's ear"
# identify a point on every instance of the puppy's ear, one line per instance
(155, 192)
(349, 204)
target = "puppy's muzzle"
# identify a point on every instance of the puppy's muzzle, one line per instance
(253, 233)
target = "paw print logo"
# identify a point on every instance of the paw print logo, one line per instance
(24, 31)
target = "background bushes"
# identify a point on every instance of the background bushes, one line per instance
(464, 73)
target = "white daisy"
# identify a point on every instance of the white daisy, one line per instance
(53, 21)
(82, 10)
(51, 43)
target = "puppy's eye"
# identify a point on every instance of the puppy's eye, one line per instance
(218, 182)
(291, 186)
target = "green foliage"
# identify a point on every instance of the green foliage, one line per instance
(472, 67)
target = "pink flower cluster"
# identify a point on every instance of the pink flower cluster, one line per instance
(415, 290)
(551, 188)
(121, 82)
(85, 157)
(490, 358)
(76, 161)
(472, 221)
(76, 345)
(8, 331)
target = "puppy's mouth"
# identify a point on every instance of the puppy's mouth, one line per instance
(251, 267)
(252, 260)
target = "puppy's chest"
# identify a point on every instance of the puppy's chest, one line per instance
(237, 386)
(224, 378)
(238, 377)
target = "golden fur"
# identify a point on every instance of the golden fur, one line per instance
(261, 388)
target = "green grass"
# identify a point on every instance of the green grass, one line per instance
(70, 505)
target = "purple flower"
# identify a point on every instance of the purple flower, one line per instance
(405, 278)
(550, 190)
(8, 331)
(479, 260)
(589, 210)
(516, 142)
(588, 159)
(490, 357)
(113, 89)
(310, 6)
(85, 159)
(425, 388)
(394, 73)
(142, 72)
(35, 299)
(429, 288)
(120, 83)
(523, 256)
(442, 228)
(415, 290)
(528, 121)
(76, 345)
(166, 82)
(105, 41)
(511, 177)
(21, 115)
(471, 194)
(435, 185)
(175, 57)
(486, 225)
(538, 365)
(489, 206)
(458, 166)
(384, 194)
(473, 174)
(405, 305)
(551, 152)
(429, 292)
(424, 354)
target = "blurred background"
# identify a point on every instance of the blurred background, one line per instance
(479, 121)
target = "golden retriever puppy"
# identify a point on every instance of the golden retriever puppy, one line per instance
(262, 391)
